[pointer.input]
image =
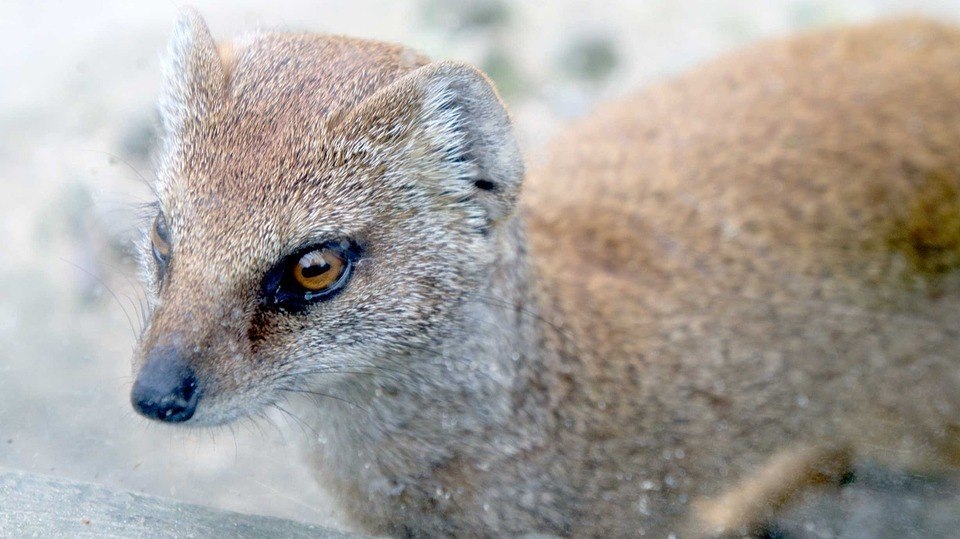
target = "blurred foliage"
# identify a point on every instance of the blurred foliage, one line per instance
(500, 66)
(466, 14)
(591, 58)
(139, 137)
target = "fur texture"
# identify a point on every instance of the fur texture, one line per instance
(734, 284)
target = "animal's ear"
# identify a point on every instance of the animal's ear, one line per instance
(194, 76)
(453, 130)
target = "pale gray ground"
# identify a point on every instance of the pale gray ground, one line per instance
(42, 506)
(77, 84)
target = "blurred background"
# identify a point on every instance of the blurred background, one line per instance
(77, 85)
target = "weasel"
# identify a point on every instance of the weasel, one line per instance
(716, 294)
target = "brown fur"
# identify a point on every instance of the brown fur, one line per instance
(736, 263)
(737, 282)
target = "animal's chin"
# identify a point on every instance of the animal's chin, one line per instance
(214, 419)
(214, 414)
(218, 410)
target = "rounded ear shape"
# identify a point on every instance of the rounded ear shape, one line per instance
(449, 120)
(193, 73)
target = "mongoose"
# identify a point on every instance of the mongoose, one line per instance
(714, 295)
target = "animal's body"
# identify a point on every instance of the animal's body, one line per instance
(712, 296)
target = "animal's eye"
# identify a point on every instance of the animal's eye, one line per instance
(319, 270)
(160, 240)
(310, 275)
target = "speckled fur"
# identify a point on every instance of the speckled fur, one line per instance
(703, 300)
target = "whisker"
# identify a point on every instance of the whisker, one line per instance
(301, 423)
(499, 302)
(236, 445)
(136, 171)
(326, 395)
(262, 414)
(110, 290)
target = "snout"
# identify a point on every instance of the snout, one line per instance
(166, 388)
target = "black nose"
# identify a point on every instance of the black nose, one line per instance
(166, 388)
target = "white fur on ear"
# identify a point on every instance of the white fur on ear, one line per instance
(451, 114)
(194, 78)
(462, 112)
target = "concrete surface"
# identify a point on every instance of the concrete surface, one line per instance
(41, 506)
(879, 503)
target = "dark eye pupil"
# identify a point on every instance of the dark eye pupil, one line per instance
(315, 269)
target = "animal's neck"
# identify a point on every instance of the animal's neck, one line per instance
(488, 363)
(479, 400)
(473, 383)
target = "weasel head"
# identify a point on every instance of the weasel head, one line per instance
(326, 206)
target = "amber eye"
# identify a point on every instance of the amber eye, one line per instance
(310, 275)
(319, 270)
(160, 239)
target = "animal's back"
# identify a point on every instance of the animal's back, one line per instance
(760, 255)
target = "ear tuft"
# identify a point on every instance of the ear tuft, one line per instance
(455, 129)
(194, 77)
(448, 124)
(465, 116)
